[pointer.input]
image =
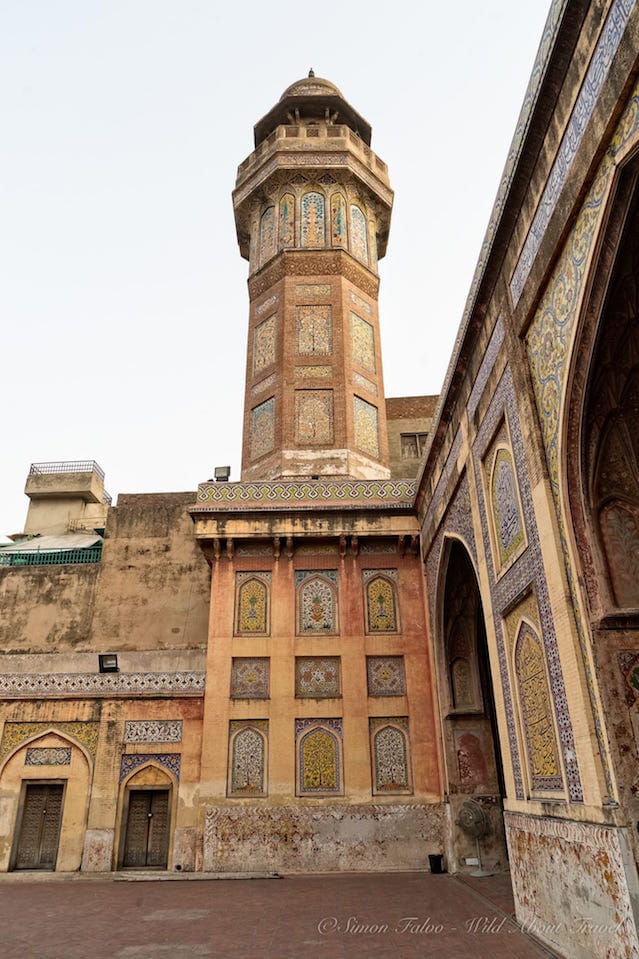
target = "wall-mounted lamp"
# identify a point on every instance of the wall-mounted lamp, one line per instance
(222, 474)
(108, 663)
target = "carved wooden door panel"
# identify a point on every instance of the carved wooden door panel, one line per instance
(40, 827)
(147, 832)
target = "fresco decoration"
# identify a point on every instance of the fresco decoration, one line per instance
(385, 675)
(338, 220)
(317, 677)
(319, 746)
(313, 220)
(247, 757)
(363, 338)
(508, 521)
(267, 247)
(252, 604)
(264, 344)
(287, 221)
(536, 711)
(359, 234)
(366, 428)
(314, 416)
(380, 588)
(262, 438)
(317, 602)
(250, 677)
(390, 754)
(314, 330)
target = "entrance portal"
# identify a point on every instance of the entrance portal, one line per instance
(147, 830)
(39, 834)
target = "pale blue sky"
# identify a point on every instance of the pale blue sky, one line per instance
(122, 293)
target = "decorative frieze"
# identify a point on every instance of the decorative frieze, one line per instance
(48, 756)
(356, 494)
(42, 685)
(153, 731)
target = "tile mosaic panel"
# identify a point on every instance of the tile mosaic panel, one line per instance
(364, 384)
(264, 344)
(314, 329)
(362, 305)
(317, 601)
(287, 220)
(338, 220)
(247, 747)
(508, 521)
(317, 677)
(250, 677)
(314, 416)
(153, 731)
(363, 494)
(313, 372)
(385, 675)
(366, 431)
(252, 604)
(312, 215)
(359, 234)
(262, 429)
(526, 572)
(389, 746)
(536, 708)
(48, 756)
(486, 367)
(582, 111)
(267, 235)
(133, 761)
(319, 756)
(378, 546)
(363, 343)
(14, 734)
(267, 304)
(266, 384)
(304, 290)
(381, 600)
(41, 685)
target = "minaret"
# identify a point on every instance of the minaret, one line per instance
(312, 208)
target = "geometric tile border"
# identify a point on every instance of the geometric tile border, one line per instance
(131, 761)
(18, 685)
(358, 494)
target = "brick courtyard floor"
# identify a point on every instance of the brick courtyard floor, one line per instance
(391, 916)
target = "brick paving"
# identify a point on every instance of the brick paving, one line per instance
(391, 916)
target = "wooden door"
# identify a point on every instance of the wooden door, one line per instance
(40, 826)
(147, 831)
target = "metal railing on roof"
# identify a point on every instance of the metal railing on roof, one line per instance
(52, 558)
(69, 466)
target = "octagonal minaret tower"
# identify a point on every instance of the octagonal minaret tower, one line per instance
(312, 208)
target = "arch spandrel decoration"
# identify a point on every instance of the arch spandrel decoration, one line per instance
(247, 758)
(390, 752)
(319, 757)
(316, 602)
(536, 711)
(313, 220)
(252, 604)
(380, 601)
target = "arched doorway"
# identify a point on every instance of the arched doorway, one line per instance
(601, 485)
(145, 832)
(472, 759)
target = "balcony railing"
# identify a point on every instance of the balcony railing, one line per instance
(58, 558)
(74, 466)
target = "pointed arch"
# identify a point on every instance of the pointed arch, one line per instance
(359, 233)
(312, 219)
(317, 608)
(252, 604)
(319, 758)
(390, 753)
(380, 601)
(248, 743)
(267, 245)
